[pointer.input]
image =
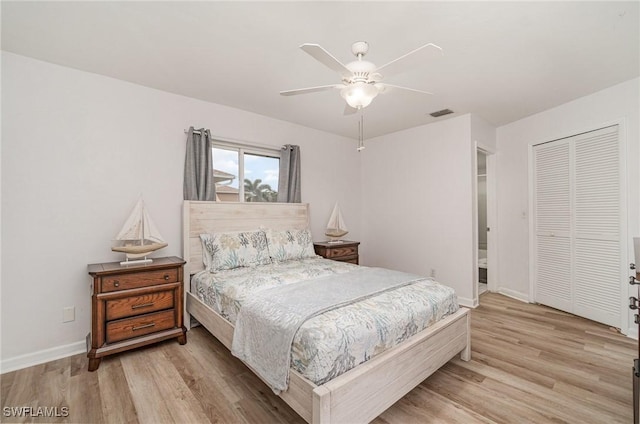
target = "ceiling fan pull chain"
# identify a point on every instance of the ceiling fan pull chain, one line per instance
(361, 132)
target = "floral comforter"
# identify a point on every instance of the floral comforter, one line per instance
(332, 343)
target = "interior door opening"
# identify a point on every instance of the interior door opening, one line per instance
(483, 228)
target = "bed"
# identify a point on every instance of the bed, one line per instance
(357, 395)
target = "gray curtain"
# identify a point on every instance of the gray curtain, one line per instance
(198, 166)
(289, 180)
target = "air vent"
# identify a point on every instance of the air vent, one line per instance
(441, 113)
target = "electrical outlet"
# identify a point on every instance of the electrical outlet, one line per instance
(69, 314)
(433, 273)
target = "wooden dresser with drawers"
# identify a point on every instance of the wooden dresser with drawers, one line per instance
(134, 305)
(344, 251)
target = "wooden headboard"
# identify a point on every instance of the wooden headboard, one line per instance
(215, 217)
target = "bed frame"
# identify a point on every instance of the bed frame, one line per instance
(357, 396)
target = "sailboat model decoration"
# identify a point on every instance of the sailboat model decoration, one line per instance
(336, 227)
(138, 237)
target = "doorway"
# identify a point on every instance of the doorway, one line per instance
(485, 240)
(483, 228)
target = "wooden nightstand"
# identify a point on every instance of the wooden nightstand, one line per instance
(134, 305)
(347, 251)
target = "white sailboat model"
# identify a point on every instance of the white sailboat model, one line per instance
(336, 227)
(138, 237)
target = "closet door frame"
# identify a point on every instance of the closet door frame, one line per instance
(625, 243)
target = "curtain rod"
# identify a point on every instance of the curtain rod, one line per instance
(239, 142)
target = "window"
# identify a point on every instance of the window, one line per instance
(245, 174)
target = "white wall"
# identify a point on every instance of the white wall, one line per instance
(620, 102)
(77, 151)
(483, 133)
(418, 203)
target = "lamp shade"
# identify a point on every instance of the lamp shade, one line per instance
(359, 94)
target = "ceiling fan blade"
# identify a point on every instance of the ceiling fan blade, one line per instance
(382, 88)
(310, 89)
(400, 64)
(348, 110)
(326, 58)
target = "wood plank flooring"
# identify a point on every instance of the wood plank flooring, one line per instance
(530, 364)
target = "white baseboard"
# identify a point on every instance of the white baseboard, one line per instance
(633, 332)
(523, 297)
(40, 357)
(467, 303)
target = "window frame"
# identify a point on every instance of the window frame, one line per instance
(243, 148)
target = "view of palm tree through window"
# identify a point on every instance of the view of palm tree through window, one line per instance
(257, 172)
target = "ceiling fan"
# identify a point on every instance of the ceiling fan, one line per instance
(361, 79)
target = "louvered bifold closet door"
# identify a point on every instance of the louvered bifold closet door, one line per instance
(577, 207)
(552, 206)
(597, 226)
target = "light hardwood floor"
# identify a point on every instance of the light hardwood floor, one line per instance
(530, 364)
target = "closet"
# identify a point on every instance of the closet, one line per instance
(577, 207)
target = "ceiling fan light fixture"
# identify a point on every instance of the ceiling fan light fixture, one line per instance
(360, 78)
(359, 95)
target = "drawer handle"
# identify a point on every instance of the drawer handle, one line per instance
(140, 327)
(166, 277)
(116, 283)
(142, 305)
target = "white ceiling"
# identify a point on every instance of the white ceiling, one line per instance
(502, 61)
